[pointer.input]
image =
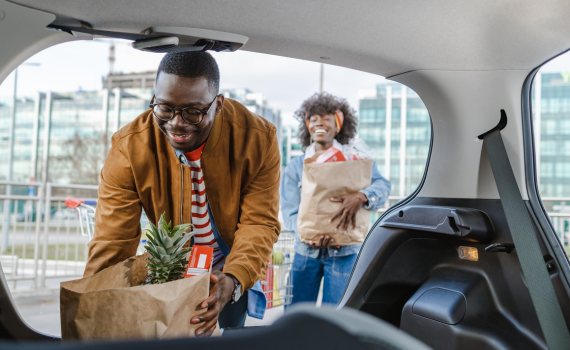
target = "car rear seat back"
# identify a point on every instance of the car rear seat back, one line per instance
(302, 328)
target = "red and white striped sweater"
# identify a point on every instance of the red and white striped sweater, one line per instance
(204, 234)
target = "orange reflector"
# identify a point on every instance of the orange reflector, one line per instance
(468, 253)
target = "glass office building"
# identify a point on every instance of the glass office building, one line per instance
(69, 133)
(551, 115)
(66, 132)
(395, 123)
(291, 147)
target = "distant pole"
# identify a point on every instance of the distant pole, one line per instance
(112, 58)
(35, 135)
(322, 78)
(7, 202)
(12, 128)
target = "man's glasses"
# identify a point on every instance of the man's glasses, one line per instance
(190, 115)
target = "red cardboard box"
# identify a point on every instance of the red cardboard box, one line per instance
(200, 261)
(331, 155)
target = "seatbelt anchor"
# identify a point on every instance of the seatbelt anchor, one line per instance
(500, 126)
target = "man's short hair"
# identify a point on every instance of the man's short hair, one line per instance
(192, 64)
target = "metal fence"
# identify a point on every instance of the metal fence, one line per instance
(41, 242)
(41, 237)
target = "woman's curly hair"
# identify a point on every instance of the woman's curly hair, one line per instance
(322, 104)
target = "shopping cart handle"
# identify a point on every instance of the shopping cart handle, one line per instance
(91, 202)
(73, 203)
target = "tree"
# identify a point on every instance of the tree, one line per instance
(78, 160)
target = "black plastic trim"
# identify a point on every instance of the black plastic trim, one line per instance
(464, 223)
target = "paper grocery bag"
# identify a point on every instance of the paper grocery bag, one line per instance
(322, 181)
(111, 305)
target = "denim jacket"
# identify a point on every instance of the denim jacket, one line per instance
(290, 192)
(256, 301)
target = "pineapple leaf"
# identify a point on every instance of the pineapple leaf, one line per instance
(162, 221)
(181, 230)
(153, 230)
(182, 240)
(167, 242)
(152, 240)
(162, 251)
(152, 252)
(175, 231)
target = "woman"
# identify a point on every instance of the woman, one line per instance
(325, 121)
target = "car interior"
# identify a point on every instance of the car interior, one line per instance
(470, 260)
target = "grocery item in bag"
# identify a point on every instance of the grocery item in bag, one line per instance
(330, 155)
(112, 305)
(322, 181)
(200, 261)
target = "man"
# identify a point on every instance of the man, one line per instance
(198, 158)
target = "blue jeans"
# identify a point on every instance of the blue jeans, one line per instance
(308, 272)
(233, 315)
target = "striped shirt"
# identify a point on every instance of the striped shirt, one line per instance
(200, 218)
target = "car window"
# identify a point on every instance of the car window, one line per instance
(67, 102)
(551, 120)
(395, 122)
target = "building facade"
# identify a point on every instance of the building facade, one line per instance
(146, 80)
(65, 137)
(291, 147)
(551, 120)
(395, 123)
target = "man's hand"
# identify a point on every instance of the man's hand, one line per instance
(323, 242)
(221, 290)
(351, 204)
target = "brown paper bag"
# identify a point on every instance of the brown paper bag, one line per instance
(111, 305)
(322, 181)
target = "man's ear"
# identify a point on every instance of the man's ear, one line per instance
(219, 103)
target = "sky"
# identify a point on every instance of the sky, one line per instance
(285, 82)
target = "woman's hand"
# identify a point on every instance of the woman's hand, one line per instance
(325, 241)
(351, 204)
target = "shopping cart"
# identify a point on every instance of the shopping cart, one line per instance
(278, 284)
(86, 212)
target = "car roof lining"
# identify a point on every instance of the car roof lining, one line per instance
(381, 37)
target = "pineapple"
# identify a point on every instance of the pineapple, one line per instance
(167, 261)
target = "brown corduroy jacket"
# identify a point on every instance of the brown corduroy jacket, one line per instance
(240, 164)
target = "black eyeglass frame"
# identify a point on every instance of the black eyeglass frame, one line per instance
(202, 111)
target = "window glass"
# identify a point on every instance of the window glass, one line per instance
(551, 121)
(65, 116)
